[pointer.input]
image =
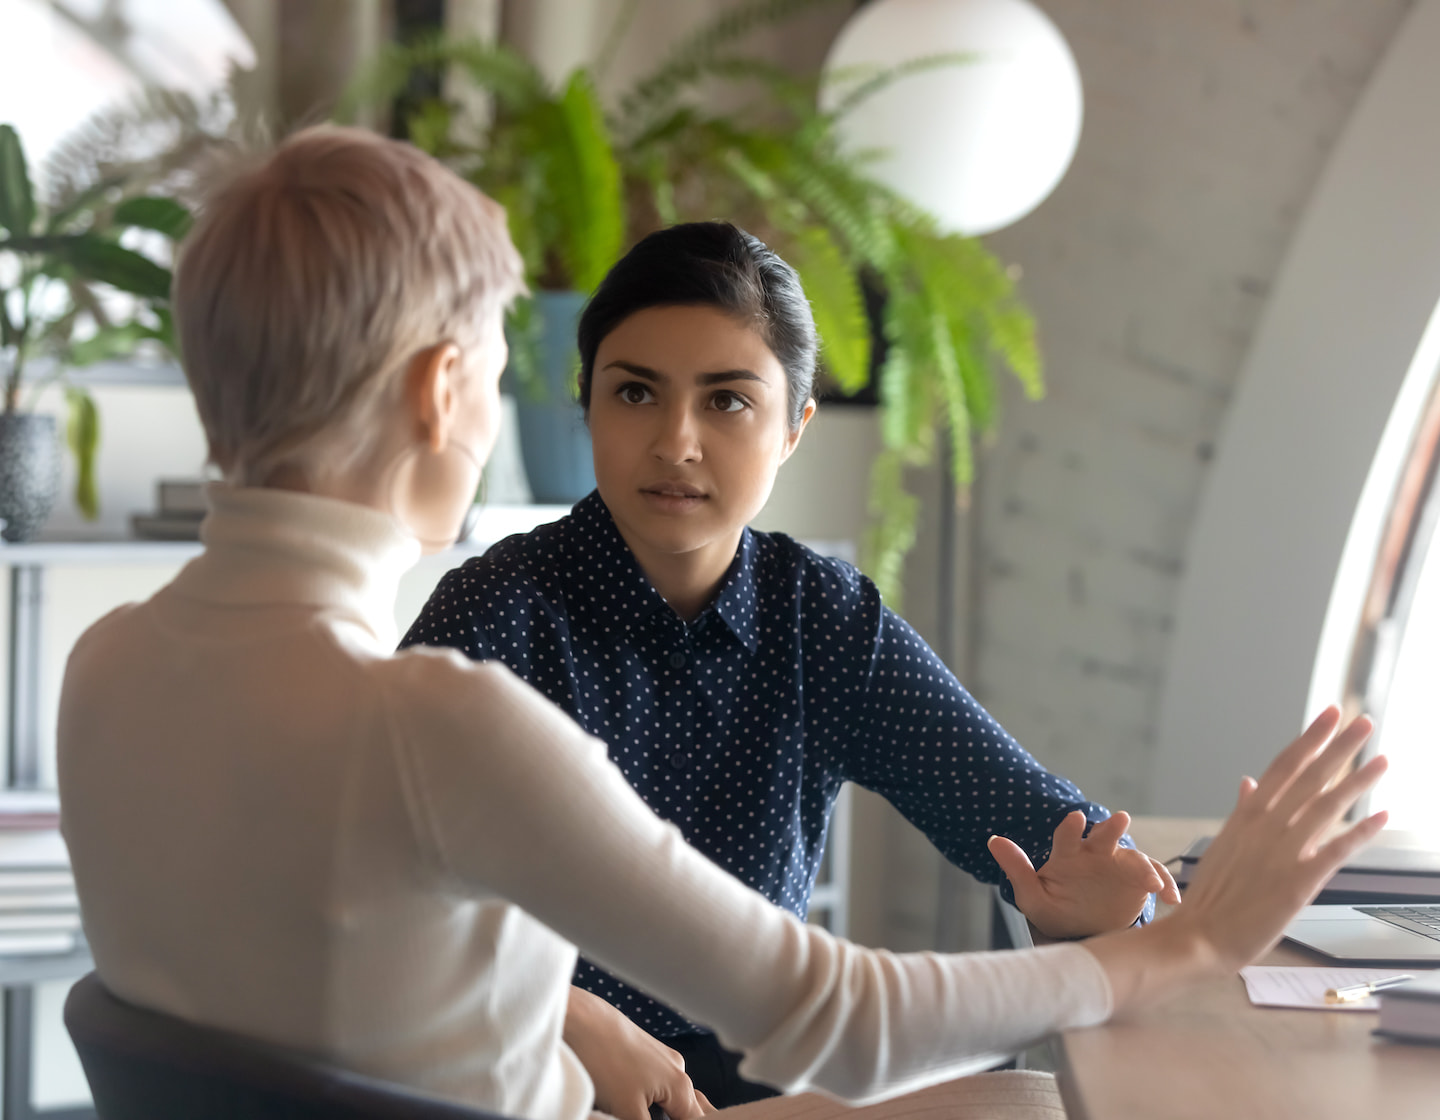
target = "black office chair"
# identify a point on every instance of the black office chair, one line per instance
(142, 1065)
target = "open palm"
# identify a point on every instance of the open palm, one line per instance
(1089, 884)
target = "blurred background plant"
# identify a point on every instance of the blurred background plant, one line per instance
(925, 320)
(84, 273)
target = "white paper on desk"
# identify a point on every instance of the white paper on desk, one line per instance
(1278, 986)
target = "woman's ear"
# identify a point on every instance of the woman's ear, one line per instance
(792, 437)
(430, 393)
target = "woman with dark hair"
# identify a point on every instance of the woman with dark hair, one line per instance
(282, 830)
(738, 677)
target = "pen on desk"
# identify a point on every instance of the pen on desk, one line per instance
(1363, 991)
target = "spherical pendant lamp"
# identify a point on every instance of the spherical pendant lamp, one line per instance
(978, 144)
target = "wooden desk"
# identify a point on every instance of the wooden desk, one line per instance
(1209, 1054)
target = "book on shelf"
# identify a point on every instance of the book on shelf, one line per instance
(29, 809)
(36, 879)
(160, 527)
(1411, 1012)
(182, 497)
(180, 506)
(67, 921)
(24, 897)
(33, 850)
(35, 943)
(1398, 869)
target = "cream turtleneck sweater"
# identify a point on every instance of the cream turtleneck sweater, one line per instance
(281, 829)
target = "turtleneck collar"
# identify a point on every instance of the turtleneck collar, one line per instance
(266, 547)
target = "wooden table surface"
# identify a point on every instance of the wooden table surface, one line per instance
(1209, 1054)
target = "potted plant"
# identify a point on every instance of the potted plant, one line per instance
(61, 267)
(582, 185)
(547, 157)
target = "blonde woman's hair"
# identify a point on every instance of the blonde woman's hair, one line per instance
(310, 280)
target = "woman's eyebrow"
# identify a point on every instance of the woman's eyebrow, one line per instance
(715, 378)
(644, 372)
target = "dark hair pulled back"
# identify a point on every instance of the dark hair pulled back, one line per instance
(711, 264)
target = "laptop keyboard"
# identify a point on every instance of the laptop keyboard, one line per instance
(1424, 920)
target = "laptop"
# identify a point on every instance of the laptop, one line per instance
(1381, 933)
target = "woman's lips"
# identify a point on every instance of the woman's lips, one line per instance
(673, 497)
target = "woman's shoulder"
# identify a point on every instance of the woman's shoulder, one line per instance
(814, 571)
(522, 565)
(440, 697)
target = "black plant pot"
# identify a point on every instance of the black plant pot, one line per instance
(29, 472)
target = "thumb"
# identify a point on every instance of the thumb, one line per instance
(1016, 865)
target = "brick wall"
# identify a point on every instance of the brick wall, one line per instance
(1206, 127)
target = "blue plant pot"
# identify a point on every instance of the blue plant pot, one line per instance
(29, 472)
(554, 442)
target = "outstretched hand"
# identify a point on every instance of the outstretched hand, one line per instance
(1275, 852)
(1278, 847)
(1090, 884)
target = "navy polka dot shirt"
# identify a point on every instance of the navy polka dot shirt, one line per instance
(740, 726)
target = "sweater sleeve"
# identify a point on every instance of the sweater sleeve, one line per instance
(510, 797)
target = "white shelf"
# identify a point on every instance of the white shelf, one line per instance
(495, 523)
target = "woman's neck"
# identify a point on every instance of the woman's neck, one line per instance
(687, 581)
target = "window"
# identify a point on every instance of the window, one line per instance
(1395, 670)
(61, 60)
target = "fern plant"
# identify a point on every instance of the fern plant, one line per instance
(582, 185)
(546, 156)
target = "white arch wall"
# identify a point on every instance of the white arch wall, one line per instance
(1350, 306)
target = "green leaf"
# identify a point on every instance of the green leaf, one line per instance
(82, 432)
(164, 332)
(512, 79)
(17, 199)
(83, 203)
(838, 305)
(866, 81)
(163, 215)
(584, 183)
(100, 260)
(109, 342)
(429, 127)
(689, 62)
(894, 512)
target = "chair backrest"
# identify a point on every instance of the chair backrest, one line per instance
(142, 1065)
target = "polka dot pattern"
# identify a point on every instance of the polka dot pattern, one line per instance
(740, 726)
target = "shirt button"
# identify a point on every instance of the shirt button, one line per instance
(679, 760)
(677, 660)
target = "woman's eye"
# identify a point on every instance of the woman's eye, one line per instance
(728, 402)
(634, 393)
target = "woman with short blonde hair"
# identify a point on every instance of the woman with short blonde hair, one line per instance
(281, 829)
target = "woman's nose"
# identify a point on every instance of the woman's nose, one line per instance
(677, 439)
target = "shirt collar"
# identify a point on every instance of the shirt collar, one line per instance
(600, 554)
(266, 547)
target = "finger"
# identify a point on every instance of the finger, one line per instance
(1333, 855)
(1247, 790)
(1105, 836)
(705, 1105)
(1017, 867)
(1068, 834)
(1320, 816)
(1290, 761)
(1138, 870)
(679, 1100)
(1170, 890)
(1323, 769)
